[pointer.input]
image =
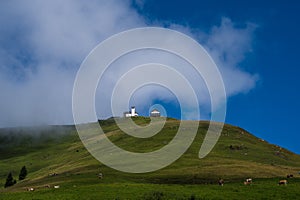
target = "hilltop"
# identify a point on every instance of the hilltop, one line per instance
(58, 149)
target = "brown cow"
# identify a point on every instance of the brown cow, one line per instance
(248, 181)
(221, 182)
(282, 182)
(290, 176)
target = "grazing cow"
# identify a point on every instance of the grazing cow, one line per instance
(56, 186)
(221, 182)
(53, 174)
(282, 182)
(100, 175)
(30, 189)
(290, 176)
(248, 181)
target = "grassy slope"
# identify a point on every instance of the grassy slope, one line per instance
(59, 150)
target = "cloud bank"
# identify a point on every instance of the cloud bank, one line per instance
(43, 43)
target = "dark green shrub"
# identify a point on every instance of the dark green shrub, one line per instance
(10, 181)
(23, 173)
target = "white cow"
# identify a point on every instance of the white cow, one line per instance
(282, 182)
(248, 181)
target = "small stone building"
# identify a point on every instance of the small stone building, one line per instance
(154, 113)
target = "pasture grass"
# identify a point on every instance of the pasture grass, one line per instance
(58, 149)
(260, 189)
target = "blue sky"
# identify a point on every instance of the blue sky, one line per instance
(43, 44)
(271, 109)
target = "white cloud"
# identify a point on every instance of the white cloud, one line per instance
(228, 45)
(43, 43)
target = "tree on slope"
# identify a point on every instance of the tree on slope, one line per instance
(9, 180)
(23, 173)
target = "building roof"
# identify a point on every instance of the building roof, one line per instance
(155, 110)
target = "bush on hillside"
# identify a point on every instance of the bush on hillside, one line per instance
(23, 173)
(10, 181)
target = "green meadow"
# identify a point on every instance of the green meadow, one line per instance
(57, 149)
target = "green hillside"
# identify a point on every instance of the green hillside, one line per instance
(58, 149)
